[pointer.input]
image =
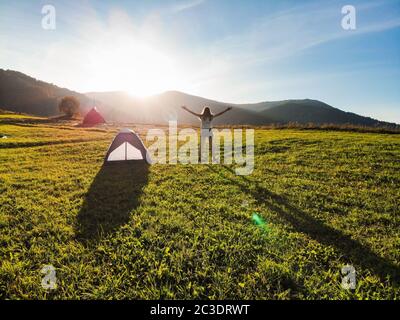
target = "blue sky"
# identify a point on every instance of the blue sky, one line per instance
(229, 50)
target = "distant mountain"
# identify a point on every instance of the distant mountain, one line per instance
(306, 111)
(160, 108)
(21, 93)
(167, 106)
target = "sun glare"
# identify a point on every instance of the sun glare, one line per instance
(137, 69)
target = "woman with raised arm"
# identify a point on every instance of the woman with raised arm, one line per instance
(206, 118)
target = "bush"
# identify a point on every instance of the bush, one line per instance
(69, 105)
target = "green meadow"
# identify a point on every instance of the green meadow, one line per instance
(131, 231)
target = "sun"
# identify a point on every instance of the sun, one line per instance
(134, 68)
(149, 72)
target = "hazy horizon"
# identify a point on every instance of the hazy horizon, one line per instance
(242, 52)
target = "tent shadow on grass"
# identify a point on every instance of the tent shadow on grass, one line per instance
(114, 193)
(350, 249)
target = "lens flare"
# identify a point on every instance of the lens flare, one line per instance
(259, 221)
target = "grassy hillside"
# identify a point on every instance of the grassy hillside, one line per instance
(328, 199)
(160, 108)
(311, 111)
(120, 106)
(22, 93)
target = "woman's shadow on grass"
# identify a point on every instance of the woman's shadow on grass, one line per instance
(303, 222)
(112, 196)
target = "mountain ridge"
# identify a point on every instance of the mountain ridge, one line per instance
(22, 93)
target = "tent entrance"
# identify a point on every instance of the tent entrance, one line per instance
(127, 145)
(124, 152)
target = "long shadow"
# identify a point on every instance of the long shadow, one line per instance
(350, 249)
(114, 193)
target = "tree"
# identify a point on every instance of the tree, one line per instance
(69, 105)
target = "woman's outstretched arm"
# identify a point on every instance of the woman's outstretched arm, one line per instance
(222, 112)
(194, 113)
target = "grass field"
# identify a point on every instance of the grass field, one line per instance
(328, 199)
(14, 116)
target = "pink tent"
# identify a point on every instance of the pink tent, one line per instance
(126, 146)
(93, 117)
